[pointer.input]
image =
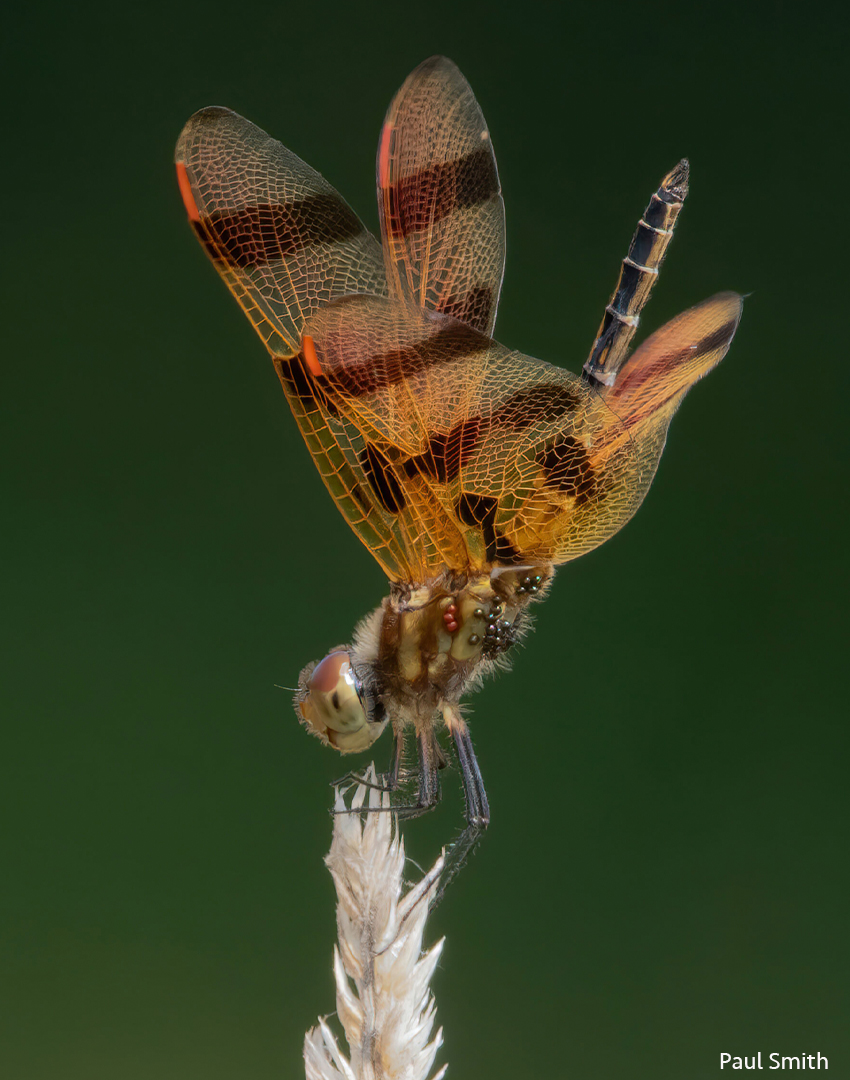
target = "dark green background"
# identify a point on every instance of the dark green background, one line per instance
(665, 877)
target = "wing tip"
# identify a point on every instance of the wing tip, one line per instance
(433, 63)
(203, 119)
(734, 300)
(724, 308)
(438, 67)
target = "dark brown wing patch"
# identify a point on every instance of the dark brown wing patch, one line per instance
(422, 199)
(566, 464)
(448, 454)
(358, 371)
(382, 479)
(282, 238)
(439, 200)
(264, 233)
(479, 512)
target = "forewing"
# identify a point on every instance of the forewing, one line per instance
(401, 377)
(286, 243)
(441, 209)
(281, 237)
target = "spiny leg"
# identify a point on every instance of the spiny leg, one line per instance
(477, 807)
(431, 760)
(390, 780)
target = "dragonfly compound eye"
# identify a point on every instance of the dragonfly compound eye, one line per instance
(332, 705)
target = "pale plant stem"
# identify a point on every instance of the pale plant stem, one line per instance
(383, 996)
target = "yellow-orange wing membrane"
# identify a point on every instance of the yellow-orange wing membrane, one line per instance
(281, 237)
(441, 447)
(286, 243)
(441, 209)
(488, 457)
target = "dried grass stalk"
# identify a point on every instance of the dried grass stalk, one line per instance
(383, 996)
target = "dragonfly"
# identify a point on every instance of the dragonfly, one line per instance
(469, 470)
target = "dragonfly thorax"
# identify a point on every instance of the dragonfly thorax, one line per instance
(415, 656)
(433, 640)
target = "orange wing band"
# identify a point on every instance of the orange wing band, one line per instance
(309, 350)
(186, 192)
(384, 156)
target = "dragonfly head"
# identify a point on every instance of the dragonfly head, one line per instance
(336, 702)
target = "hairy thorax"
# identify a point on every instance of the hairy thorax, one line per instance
(430, 643)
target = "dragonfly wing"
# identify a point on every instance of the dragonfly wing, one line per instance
(486, 457)
(624, 456)
(440, 204)
(286, 243)
(458, 432)
(441, 447)
(281, 237)
(659, 373)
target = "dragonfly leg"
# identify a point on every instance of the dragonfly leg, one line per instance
(431, 760)
(477, 807)
(390, 780)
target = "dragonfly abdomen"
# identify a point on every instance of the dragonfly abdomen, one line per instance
(638, 274)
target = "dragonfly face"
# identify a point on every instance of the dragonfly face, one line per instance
(335, 701)
(469, 470)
